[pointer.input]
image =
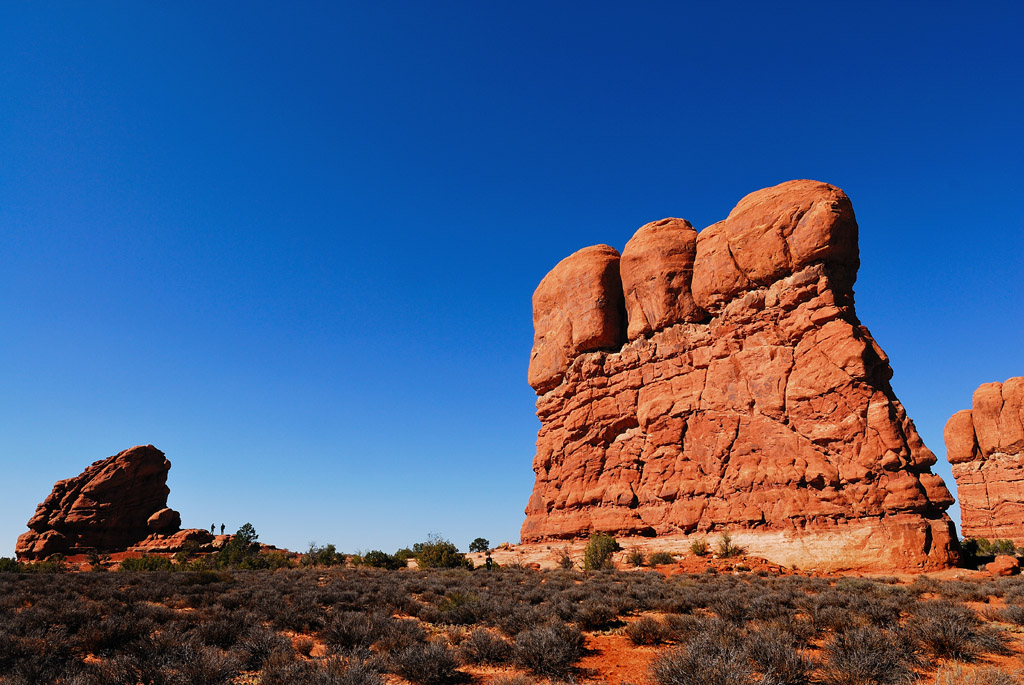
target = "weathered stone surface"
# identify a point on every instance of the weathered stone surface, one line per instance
(578, 307)
(165, 520)
(1004, 565)
(656, 269)
(197, 539)
(759, 404)
(985, 445)
(106, 508)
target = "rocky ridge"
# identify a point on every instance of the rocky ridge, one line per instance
(722, 381)
(985, 447)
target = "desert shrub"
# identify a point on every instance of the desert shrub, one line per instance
(659, 558)
(457, 608)
(596, 614)
(954, 632)
(868, 656)
(145, 563)
(378, 559)
(347, 629)
(332, 671)
(437, 552)
(483, 647)
(429, 664)
(726, 548)
(599, 551)
(515, 679)
(635, 558)
(647, 631)
(202, 664)
(773, 654)
(699, 548)
(479, 545)
(565, 561)
(708, 659)
(1011, 614)
(8, 565)
(549, 650)
(954, 674)
(400, 634)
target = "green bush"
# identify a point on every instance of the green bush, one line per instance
(379, 559)
(599, 550)
(635, 558)
(242, 549)
(437, 552)
(480, 545)
(327, 555)
(727, 548)
(659, 558)
(983, 547)
(146, 563)
(699, 548)
(8, 565)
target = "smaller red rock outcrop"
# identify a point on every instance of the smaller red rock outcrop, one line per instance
(112, 505)
(985, 446)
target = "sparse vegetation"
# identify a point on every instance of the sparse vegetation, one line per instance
(438, 552)
(599, 551)
(699, 548)
(361, 624)
(726, 548)
(659, 558)
(636, 558)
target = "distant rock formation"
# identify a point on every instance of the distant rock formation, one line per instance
(985, 446)
(112, 505)
(722, 381)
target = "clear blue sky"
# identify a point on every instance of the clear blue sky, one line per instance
(293, 246)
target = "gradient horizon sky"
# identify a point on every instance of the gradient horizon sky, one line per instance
(294, 246)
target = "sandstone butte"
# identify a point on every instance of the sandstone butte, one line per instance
(721, 382)
(985, 446)
(117, 504)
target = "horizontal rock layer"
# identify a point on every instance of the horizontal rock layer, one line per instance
(985, 446)
(739, 391)
(110, 506)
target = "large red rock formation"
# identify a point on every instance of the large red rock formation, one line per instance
(740, 392)
(112, 505)
(985, 445)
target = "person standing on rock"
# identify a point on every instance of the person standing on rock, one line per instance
(222, 529)
(212, 526)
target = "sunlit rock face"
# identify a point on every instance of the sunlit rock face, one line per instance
(721, 381)
(985, 446)
(112, 505)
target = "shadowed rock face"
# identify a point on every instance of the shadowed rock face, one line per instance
(740, 391)
(985, 446)
(112, 505)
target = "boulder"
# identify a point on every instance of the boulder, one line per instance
(106, 508)
(741, 392)
(1004, 565)
(985, 446)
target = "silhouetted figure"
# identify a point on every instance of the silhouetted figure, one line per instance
(222, 529)
(488, 561)
(211, 529)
